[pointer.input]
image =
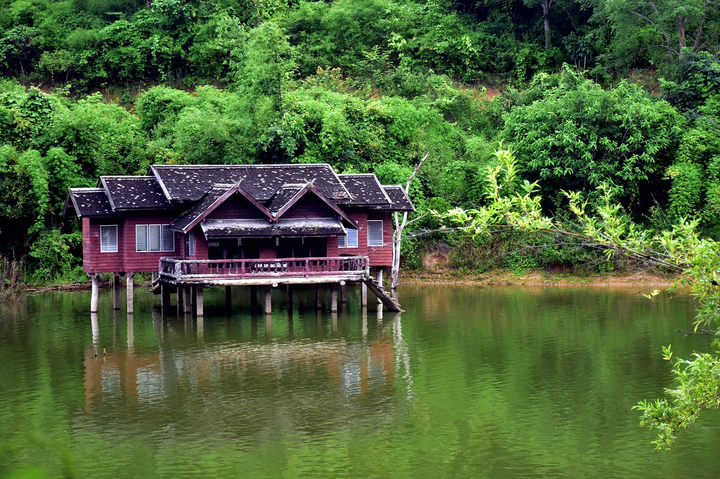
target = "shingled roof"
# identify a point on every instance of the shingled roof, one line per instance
(400, 201)
(191, 182)
(365, 189)
(88, 202)
(216, 196)
(134, 192)
(283, 197)
(275, 186)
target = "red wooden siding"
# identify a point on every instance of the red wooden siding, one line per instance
(88, 246)
(145, 261)
(309, 206)
(201, 244)
(236, 207)
(96, 262)
(379, 255)
(361, 217)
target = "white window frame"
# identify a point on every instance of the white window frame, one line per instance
(106, 247)
(142, 236)
(350, 240)
(155, 238)
(370, 241)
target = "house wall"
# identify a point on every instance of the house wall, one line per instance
(236, 207)
(380, 255)
(309, 206)
(145, 261)
(201, 244)
(93, 260)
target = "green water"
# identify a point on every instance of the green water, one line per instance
(468, 382)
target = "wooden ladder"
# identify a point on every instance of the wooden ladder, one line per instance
(388, 301)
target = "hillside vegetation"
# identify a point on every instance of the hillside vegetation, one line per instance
(585, 92)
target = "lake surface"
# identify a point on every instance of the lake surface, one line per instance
(468, 382)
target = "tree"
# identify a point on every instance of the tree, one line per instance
(516, 205)
(571, 134)
(669, 25)
(400, 227)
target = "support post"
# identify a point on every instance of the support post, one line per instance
(199, 301)
(188, 299)
(318, 297)
(130, 289)
(228, 299)
(180, 299)
(343, 292)
(164, 297)
(333, 298)
(95, 292)
(268, 300)
(116, 291)
(363, 295)
(379, 281)
(289, 294)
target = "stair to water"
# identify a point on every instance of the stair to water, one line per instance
(388, 301)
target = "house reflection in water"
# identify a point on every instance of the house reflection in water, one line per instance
(186, 363)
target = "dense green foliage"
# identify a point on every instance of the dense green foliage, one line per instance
(112, 86)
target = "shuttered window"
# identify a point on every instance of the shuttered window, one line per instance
(191, 244)
(141, 238)
(350, 240)
(108, 238)
(375, 233)
(154, 237)
(168, 239)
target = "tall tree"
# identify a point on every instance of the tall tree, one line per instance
(670, 25)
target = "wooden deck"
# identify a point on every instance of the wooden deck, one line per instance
(232, 272)
(270, 272)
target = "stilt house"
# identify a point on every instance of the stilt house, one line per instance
(204, 225)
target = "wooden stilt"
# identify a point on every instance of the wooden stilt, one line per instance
(228, 299)
(180, 300)
(289, 295)
(130, 289)
(95, 292)
(363, 295)
(164, 297)
(379, 281)
(318, 297)
(188, 299)
(199, 301)
(333, 298)
(116, 291)
(268, 300)
(343, 292)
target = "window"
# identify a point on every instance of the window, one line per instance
(168, 239)
(154, 238)
(191, 244)
(141, 238)
(375, 233)
(108, 238)
(350, 240)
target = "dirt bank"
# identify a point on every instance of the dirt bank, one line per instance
(541, 278)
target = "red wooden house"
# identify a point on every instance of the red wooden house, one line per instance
(205, 225)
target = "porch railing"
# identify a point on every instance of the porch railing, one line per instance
(177, 269)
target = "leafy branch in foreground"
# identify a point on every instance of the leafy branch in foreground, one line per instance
(515, 204)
